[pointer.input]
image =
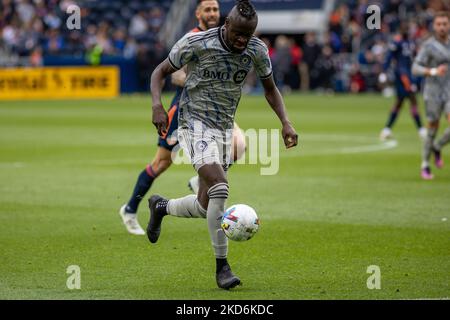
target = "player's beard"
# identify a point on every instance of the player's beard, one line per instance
(209, 24)
(442, 35)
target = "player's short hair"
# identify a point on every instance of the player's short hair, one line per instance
(246, 9)
(441, 14)
(200, 1)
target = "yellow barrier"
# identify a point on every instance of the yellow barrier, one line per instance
(59, 83)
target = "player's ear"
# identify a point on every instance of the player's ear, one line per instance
(197, 13)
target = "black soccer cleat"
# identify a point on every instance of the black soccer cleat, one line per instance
(226, 279)
(157, 207)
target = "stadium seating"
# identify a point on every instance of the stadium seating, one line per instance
(112, 14)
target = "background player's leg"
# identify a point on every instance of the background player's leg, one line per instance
(434, 111)
(437, 147)
(387, 132)
(394, 112)
(160, 163)
(128, 211)
(445, 139)
(416, 116)
(428, 149)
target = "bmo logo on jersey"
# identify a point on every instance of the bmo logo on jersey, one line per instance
(216, 75)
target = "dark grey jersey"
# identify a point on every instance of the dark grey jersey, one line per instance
(215, 76)
(432, 54)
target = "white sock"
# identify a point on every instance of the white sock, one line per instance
(187, 207)
(218, 195)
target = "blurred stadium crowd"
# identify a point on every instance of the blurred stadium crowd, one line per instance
(31, 29)
(349, 57)
(346, 58)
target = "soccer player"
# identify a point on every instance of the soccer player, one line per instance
(432, 62)
(218, 62)
(208, 16)
(401, 50)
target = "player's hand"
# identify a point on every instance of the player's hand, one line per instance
(290, 137)
(160, 119)
(442, 70)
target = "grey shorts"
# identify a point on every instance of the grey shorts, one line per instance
(435, 108)
(206, 146)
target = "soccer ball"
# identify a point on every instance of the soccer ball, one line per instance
(240, 222)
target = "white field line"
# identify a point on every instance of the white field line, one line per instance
(369, 144)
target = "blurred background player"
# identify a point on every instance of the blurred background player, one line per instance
(401, 51)
(208, 16)
(432, 61)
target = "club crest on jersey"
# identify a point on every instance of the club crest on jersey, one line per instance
(239, 76)
(245, 60)
(201, 145)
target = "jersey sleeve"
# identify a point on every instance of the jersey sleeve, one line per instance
(422, 56)
(181, 53)
(421, 61)
(263, 65)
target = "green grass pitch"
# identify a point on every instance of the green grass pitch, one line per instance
(341, 202)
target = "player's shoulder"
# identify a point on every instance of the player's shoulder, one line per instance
(254, 40)
(257, 45)
(428, 43)
(198, 36)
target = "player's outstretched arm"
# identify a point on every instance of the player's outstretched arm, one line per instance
(275, 100)
(420, 68)
(160, 118)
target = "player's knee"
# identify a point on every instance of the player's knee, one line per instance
(211, 175)
(202, 198)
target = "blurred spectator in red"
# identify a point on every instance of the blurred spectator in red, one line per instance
(36, 59)
(357, 83)
(269, 47)
(296, 59)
